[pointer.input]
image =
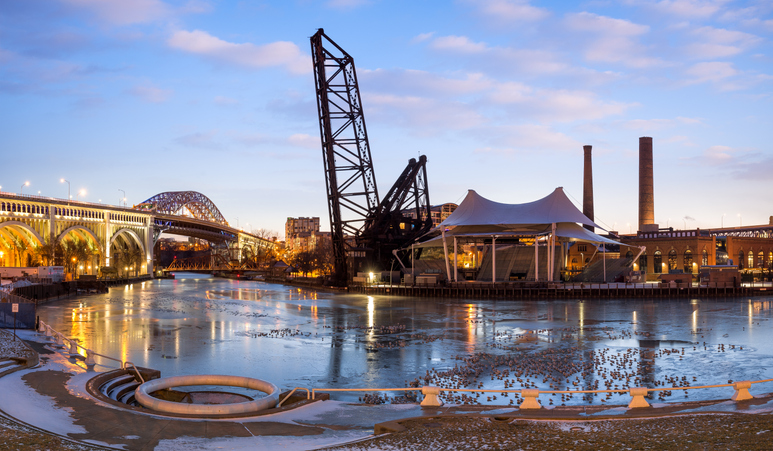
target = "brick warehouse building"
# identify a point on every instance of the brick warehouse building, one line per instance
(688, 250)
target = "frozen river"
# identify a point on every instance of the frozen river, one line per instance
(297, 337)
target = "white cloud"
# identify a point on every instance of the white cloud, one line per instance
(418, 82)
(526, 138)
(151, 93)
(684, 8)
(557, 105)
(647, 125)
(719, 43)
(123, 12)
(276, 54)
(613, 40)
(304, 140)
(531, 61)
(509, 11)
(594, 23)
(711, 71)
(422, 37)
(423, 116)
(346, 4)
(458, 44)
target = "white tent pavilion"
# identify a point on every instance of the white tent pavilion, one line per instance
(551, 218)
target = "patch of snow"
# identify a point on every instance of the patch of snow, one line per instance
(29, 406)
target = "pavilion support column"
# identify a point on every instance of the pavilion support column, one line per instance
(456, 265)
(553, 253)
(445, 252)
(493, 259)
(536, 259)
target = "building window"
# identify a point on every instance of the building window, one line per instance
(671, 259)
(688, 261)
(750, 262)
(629, 255)
(705, 259)
(740, 260)
(582, 248)
(643, 263)
(657, 262)
(760, 259)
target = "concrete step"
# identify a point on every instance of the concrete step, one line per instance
(122, 390)
(110, 385)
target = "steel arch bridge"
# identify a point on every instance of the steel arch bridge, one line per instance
(177, 202)
(29, 221)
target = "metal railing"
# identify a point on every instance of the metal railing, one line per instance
(60, 340)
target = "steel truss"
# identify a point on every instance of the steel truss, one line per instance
(175, 202)
(352, 194)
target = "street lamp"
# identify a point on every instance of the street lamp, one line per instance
(124, 198)
(68, 188)
(83, 192)
(21, 191)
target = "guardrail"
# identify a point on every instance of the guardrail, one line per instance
(61, 341)
(530, 395)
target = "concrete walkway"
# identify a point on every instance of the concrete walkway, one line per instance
(53, 397)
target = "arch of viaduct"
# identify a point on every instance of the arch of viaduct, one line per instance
(37, 220)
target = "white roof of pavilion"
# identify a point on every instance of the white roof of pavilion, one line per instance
(479, 217)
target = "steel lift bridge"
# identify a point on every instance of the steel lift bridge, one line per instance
(366, 229)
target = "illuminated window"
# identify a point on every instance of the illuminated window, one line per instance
(688, 261)
(671, 259)
(760, 259)
(750, 262)
(643, 263)
(705, 259)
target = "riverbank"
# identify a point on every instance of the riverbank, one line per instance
(725, 425)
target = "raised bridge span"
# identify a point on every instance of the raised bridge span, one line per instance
(30, 224)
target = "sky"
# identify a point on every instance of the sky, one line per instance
(217, 96)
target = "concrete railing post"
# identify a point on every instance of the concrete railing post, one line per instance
(637, 395)
(90, 362)
(48, 331)
(530, 399)
(73, 348)
(42, 327)
(742, 391)
(58, 340)
(431, 397)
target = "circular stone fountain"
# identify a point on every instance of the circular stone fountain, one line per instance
(142, 395)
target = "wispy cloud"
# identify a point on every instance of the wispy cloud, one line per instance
(280, 54)
(612, 40)
(122, 12)
(151, 94)
(508, 11)
(719, 43)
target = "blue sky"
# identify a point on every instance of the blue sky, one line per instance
(148, 96)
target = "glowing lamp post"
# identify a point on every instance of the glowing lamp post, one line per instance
(21, 190)
(68, 189)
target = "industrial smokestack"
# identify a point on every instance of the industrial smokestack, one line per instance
(587, 187)
(646, 190)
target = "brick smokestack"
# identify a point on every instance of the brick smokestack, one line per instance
(587, 186)
(646, 190)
